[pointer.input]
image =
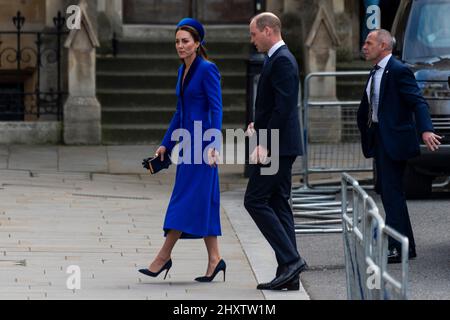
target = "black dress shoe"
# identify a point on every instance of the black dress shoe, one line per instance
(263, 286)
(266, 285)
(292, 271)
(395, 256)
(292, 285)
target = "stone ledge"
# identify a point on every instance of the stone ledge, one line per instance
(214, 33)
(20, 132)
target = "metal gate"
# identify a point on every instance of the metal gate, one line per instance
(319, 205)
(31, 71)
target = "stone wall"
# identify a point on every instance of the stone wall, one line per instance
(39, 16)
(41, 132)
(297, 15)
(34, 10)
(82, 111)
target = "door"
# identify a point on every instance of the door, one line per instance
(225, 11)
(155, 11)
(11, 102)
(172, 11)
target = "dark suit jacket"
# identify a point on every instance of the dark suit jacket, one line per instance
(402, 114)
(277, 99)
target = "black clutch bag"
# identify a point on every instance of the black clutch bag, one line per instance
(154, 164)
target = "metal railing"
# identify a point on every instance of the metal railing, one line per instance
(365, 237)
(31, 71)
(332, 157)
(319, 205)
(335, 152)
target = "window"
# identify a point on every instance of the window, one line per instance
(11, 102)
(428, 32)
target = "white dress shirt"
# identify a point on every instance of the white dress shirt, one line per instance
(376, 90)
(275, 48)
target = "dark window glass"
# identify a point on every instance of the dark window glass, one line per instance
(428, 33)
(11, 102)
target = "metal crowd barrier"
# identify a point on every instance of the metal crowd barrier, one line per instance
(344, 153)
(365, 238)
(318, 207)
(321, 210)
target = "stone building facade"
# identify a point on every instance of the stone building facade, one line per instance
(319, 32)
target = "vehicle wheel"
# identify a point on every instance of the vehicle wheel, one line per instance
(416, 184)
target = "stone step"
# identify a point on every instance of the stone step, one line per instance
(160, 97)
(137, 46)
(163, 63)
(137, 86)
(142, 134)
(152, 80)
(158, 115)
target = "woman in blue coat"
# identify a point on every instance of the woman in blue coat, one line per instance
(194, 208)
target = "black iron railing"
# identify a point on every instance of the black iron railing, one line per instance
(31, 71)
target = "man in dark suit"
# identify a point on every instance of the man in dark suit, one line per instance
(390, 115)
(267, 196)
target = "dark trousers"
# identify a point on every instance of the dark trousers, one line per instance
(267, 201)
(390, 185)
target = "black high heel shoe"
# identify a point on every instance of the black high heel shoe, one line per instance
(166, 266)
(221, 266)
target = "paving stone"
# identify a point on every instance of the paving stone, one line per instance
(82, 159)
(43, 158)
(94, 207)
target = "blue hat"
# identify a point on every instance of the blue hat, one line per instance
(194, 24)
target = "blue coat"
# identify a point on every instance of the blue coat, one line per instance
(402, 114)
(194, 206)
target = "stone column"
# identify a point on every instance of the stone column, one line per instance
(320, 55)
(109, 21)
(275, 6)
(113, 10)
(82, 111)
(344, 30)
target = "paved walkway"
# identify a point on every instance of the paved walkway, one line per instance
(96, 208)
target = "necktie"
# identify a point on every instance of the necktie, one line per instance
(266, 59)
(372, 91)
